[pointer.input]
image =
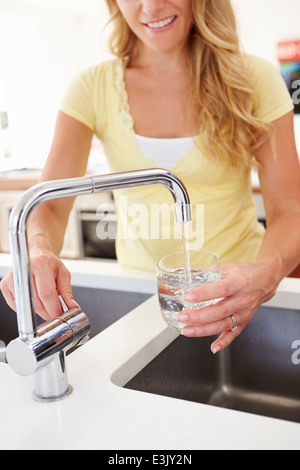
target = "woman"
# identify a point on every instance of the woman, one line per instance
(181, 95)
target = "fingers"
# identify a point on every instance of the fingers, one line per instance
(239, 297)
(213, 290)
(210, 329)
(46, 301)
(165, 289)
(214, 312)
(50, 278)
(63, 286)
(48, 287)
(225, 328)
(217, 320)
(7, 289)
(224, 340)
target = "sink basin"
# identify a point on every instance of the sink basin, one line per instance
(256, 374)
(102, 306)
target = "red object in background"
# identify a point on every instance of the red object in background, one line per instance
(289, 51)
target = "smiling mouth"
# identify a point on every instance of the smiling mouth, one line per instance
(161, 23)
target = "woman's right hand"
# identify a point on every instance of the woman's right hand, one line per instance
(50, 278)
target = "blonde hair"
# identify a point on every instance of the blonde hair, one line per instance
(221, 95)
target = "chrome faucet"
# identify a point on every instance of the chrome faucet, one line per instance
(41, 351)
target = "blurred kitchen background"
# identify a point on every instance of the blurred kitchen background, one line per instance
(45, 43)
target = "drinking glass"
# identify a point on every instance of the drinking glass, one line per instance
(178, 273)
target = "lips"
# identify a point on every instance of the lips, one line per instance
(161, 23)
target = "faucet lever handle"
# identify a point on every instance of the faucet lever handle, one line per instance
(63, 304)
(60, 333)
(83, 339)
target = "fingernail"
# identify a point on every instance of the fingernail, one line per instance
(75, 304)
(188, 332)
(189, 297)
(216, 349)
(182, 317)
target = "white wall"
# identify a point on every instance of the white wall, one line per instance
(63, 37)
(263, 23)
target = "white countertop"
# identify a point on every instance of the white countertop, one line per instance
(102, 415)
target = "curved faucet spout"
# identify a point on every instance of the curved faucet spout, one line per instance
(27, 354)
(74, 187)
(146, 177)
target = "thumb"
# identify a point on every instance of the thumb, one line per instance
(64, 289)
(72, 303)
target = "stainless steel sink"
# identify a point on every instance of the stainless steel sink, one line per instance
(102, 306)
(256, 374)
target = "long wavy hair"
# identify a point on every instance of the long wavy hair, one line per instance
(221, 95)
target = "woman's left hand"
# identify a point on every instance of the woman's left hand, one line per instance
(243, 288)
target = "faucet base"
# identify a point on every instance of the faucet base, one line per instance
(51, 381)
(40, 399)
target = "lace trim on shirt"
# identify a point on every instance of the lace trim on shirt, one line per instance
(126, 121)
(125, 115)
(186, 165)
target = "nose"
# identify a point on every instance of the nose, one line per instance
(153, 7)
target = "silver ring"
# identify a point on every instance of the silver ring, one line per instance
(234, 328)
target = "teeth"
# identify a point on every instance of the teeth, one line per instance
(161, 24)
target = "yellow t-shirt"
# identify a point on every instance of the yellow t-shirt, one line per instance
(223, 211)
